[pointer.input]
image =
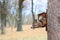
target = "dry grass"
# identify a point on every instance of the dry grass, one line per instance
(26, 34)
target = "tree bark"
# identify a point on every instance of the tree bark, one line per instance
(19, 21)
(53, 20)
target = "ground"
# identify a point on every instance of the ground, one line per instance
(26, 34)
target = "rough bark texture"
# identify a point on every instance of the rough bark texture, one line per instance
(53, 21)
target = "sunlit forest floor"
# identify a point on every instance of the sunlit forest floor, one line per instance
(26, 34)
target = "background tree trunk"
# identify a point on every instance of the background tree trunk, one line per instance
(53, 21)
(33, 14)
(3, 17)
(19, 21)
(3, 23)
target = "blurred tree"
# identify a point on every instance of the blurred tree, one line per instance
(19, 20)
(4, 13)
(3, 17)
(33, 14)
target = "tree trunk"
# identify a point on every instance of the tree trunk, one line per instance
(3, 18)
(33, 15)
(53, 21)
(19, 21)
